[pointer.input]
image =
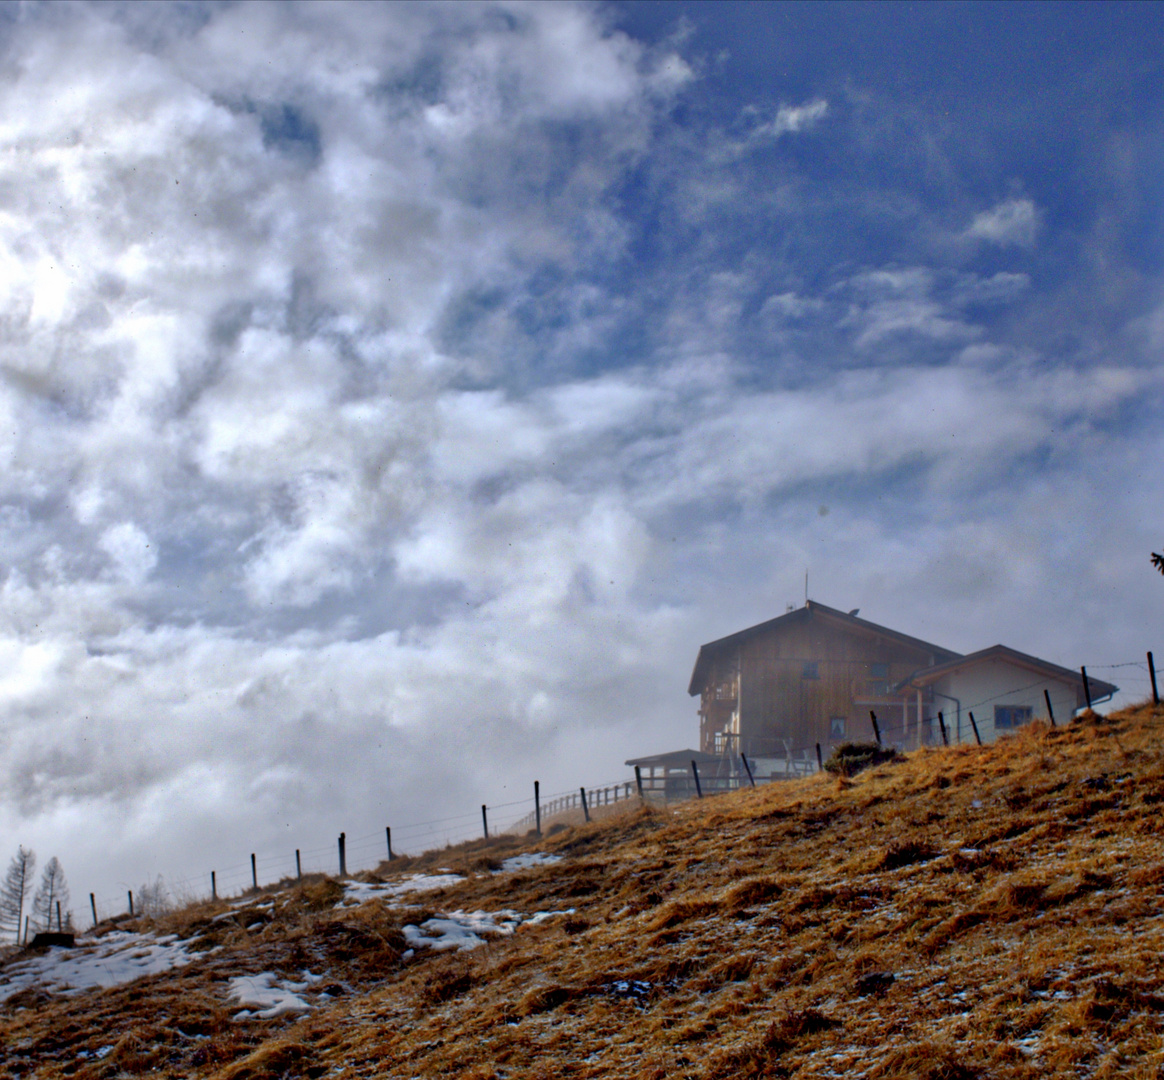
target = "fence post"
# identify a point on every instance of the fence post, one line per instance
(942, 725)
(254, 874)
(876, 727)
(639, 780)
(748, 770)
(695, 773)
(1050, 711)
(977, 737)
(343, 854)
(388, 835)
(130, 911)
(819, 759)
(93, 908)
(213, 885)
(1152, 673)
(1086, 688)
(585, 806)
(485, 820)
(537, 808)
(298, 867)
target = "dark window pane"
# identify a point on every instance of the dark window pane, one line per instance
(1011, 716)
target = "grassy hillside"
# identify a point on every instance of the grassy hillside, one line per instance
(992, 912)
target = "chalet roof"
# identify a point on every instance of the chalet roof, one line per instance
(812, 609)
(674, 759)
(927, 676)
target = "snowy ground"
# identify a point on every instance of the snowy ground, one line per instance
(121, 956)
(118, 957)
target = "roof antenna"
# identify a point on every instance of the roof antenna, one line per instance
(806, 588)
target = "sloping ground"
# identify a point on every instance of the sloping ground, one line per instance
(992, 912)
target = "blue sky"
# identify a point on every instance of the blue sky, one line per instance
(395, 397)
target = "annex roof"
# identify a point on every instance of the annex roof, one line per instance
(674, 759)
(811, 609)
(930, 675)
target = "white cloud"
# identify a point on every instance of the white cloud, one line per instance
(903, 301)
(1013, 222)
(792, 119)
(131, 551)
(226, 284)
(789, 305)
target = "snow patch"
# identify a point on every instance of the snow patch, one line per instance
(267, 997)
(116, 958)
(356, 892)
(528, 860)
(469, 929)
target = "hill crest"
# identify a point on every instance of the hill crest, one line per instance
(964, 912)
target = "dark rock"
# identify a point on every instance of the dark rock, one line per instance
(43, 941)
(876, 982)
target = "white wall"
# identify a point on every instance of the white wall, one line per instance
(997, 682)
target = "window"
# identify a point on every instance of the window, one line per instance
(878, 684)
(1011, 716)
(811, 669)
(836, 727)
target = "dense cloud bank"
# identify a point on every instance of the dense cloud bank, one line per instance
(393, 398)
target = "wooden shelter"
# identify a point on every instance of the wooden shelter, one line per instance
(669, 775)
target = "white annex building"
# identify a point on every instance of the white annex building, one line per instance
(1010, 687)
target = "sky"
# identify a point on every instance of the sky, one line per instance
(393, 398)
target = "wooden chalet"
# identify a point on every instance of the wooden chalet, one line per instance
(775, 690)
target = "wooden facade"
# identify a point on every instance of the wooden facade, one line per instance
(811, 676)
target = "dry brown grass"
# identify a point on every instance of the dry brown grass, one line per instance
(962, 913)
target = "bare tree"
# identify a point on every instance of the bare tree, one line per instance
(1158, 561)
(51, 896)
(154, 899)
(17, 882)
